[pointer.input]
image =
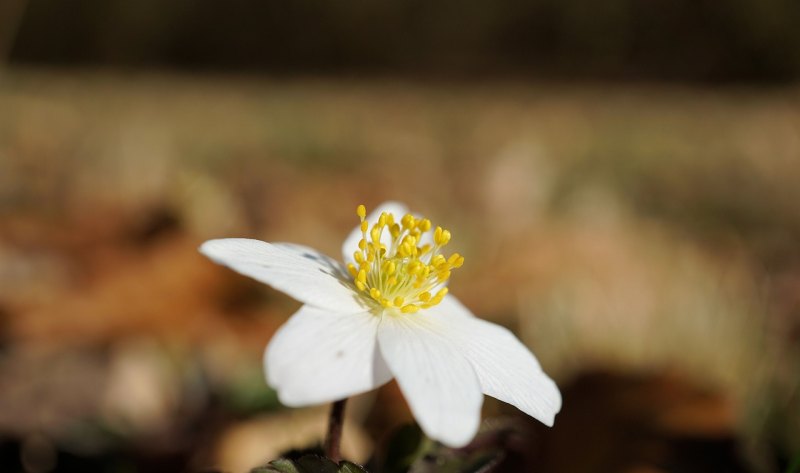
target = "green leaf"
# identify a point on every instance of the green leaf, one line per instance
(406, 445)
(409, 451)
(316, 464)
(794, 467)
(308, 464)
(348, 467)
(277, 466)
(482, 463)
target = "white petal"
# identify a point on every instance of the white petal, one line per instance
(303, 273)
(350, 244)
(318, 357)
(438, 383)
(451, 305)
(507, 370)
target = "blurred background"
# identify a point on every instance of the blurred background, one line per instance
(622, 178)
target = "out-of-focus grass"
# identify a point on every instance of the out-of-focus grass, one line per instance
(635, 228)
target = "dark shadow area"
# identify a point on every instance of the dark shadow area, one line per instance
(707, 41)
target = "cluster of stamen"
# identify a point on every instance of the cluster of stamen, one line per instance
(406, 274)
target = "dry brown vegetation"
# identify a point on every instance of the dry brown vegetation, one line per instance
(646, 232)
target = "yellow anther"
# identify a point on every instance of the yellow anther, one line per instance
(434, 301)
(362, 243)
(438, 260)
(360, 285)
(364, 226)
(375, 294)
(358, 256)
(362, 276)
(398, 301)
(375, 234)
(408, 221)
(409, 309)
(425, 296)
(443, 276)
(382, 220)
(424, 225)
(442, 292)
(351, 268)
(361, 211)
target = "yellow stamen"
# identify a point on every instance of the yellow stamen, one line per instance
(400, 273)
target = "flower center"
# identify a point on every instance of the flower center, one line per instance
(409, 273)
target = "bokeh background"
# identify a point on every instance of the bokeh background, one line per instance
(621, 176)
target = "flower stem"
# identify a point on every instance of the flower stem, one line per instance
(335, 424)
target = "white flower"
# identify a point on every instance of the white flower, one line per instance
(386, 314)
